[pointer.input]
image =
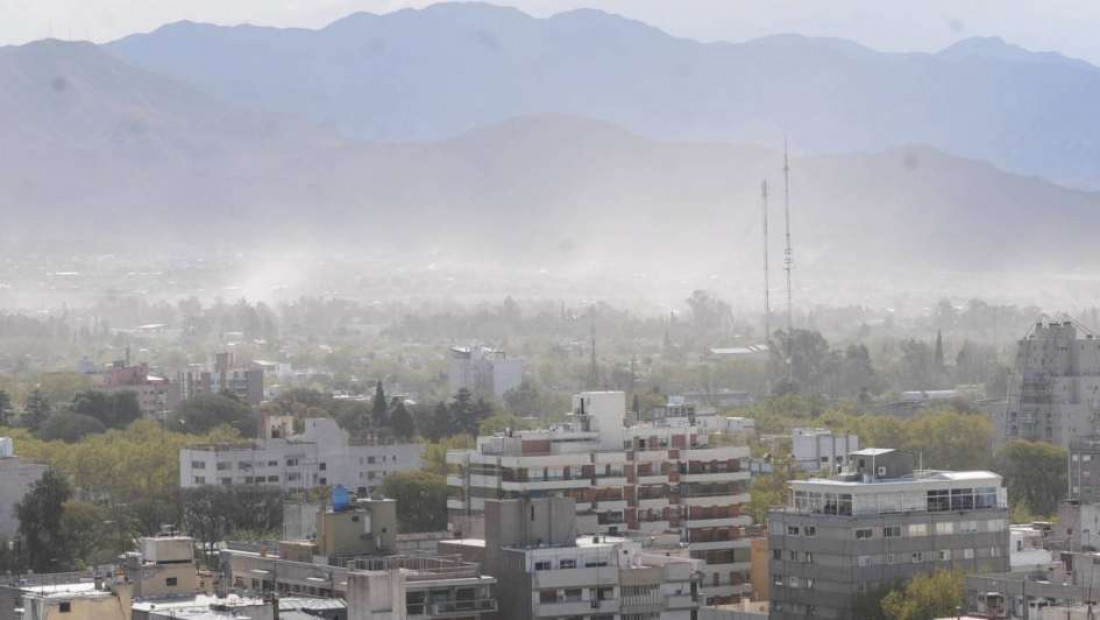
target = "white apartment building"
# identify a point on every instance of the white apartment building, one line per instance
(654, 478)
(817, 449)
(483, 371)
(320, 455)
(1054, 393)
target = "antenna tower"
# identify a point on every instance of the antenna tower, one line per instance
(767, 283)
(788, 259)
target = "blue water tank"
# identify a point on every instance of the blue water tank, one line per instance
(340, 498)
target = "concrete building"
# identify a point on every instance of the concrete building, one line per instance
(1054, 391)
(375, 588)
(1054, 593)
(1084, 469)
(818, 449)
(1027, 547)
(483, 371)
(877, 524)
(224, 374)
(545, 570)
(65, 597)
(659, 478)
(155, 394)
(16, 478)
(320, 455)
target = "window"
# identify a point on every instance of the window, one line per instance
(939, 500)
(995, 525)
(370, 460)
(968, 527)
(962, 499)
(65, 607)
(918, 529)
(985, 497)
(863, 560)
(808, 557)
(945, 555)
(293, 477)
(944, 528)
(292, 462)
(777, 554)
(891, 531)
(968, 554)
(892, 558)
(792, 530)
(200, 479)
(994, 552)
(809, 530)
(792, 555)
(243, 465)
(809, 583)
(794, 583)
(224, 465)
(198, 464)
(777, 579)
(322, 467)
(170, 582)
(273, 463)
(917, 557)
(272, 478)
(864, 533)
(543, 565)
(570, 563)
(548, 596)
(227, 482)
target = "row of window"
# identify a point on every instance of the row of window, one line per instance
(913, 530)
(290, 462)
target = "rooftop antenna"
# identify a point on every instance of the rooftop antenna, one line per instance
(767, 284)
(594, 376)
(788, 260)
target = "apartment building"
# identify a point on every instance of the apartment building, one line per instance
(17, 475)
(877, 524)
(544, 569)
(483, 371)
(657, 478)
(225, 374)
(319, 454)
(819, 449)
(155, 394)
(1054, 392)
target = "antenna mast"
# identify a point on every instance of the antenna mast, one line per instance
(788, 260)
(767, 284)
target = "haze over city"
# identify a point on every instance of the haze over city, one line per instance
(563, 309)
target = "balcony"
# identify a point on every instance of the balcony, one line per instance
(730, 499)
(725, 476)
(575, 577)
(447, 609)
(652, 503)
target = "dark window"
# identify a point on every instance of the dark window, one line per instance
(65, 607)
(170, 582)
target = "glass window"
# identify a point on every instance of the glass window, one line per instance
(918, 529)
(891, 531)
(809, 530)
(864, 533)
(985, 497)
(792, 530)
(946, 527)
(962, 499)
(939, 500)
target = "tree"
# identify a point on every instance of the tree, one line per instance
(938, 357)
(36, 410)
(421, 500)
(379, 408)
(5, 408)
(40, 513)
(1035, 474)
(401, 421)
(202, 413)
(113, 409)
(523, 399)
(70, 427)
(464, 414)
(926, 597)
(438, 425)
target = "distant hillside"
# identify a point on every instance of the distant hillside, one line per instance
(106, 154)
(439, 72)
(94, 148)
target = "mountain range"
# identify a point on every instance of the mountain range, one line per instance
(439, 72)
(108, 150)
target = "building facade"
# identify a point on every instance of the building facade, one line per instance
(16, 478)
(660, 478)
(320, 455)
(545, 570)
(155, 394)
(223, 375)
(879, 524)
(818, 449)
(1054, 391)
(483, 371)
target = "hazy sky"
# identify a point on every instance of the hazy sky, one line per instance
(1067, 26)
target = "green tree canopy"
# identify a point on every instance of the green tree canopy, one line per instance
(70, 427)
(204, 412)
(1035, 474)
(421, 500)
(926, 597)
(40, 513)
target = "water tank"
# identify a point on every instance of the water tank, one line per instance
(7, 449)
(340, 498)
